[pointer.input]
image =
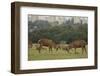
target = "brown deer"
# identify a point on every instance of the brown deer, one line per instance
(78, 44)
(46, 42)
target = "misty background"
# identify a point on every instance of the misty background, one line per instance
(61, 29)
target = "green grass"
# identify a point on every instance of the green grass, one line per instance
(33, 54)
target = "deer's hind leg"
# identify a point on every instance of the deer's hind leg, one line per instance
(82, 50)
(85, 49)
(39, 49)
(50, 49)
(75, 51)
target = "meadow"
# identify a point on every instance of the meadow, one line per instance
(33, 54)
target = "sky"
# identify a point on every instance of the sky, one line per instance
(60, 19)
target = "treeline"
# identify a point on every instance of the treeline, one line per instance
(64, 32)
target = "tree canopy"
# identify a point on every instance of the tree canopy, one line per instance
(65, 32)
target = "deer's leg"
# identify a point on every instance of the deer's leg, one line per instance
(85, 49)
(67, 50)
(57, 49)
(50, 49)
(75, 51)
(39, 49)
(82, 50)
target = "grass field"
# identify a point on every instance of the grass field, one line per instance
(33, 54)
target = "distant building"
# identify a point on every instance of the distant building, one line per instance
(81, 20)
(32, 17)
(58, 19)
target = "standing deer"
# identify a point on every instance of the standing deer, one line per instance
(46, 42)
(78, 44)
